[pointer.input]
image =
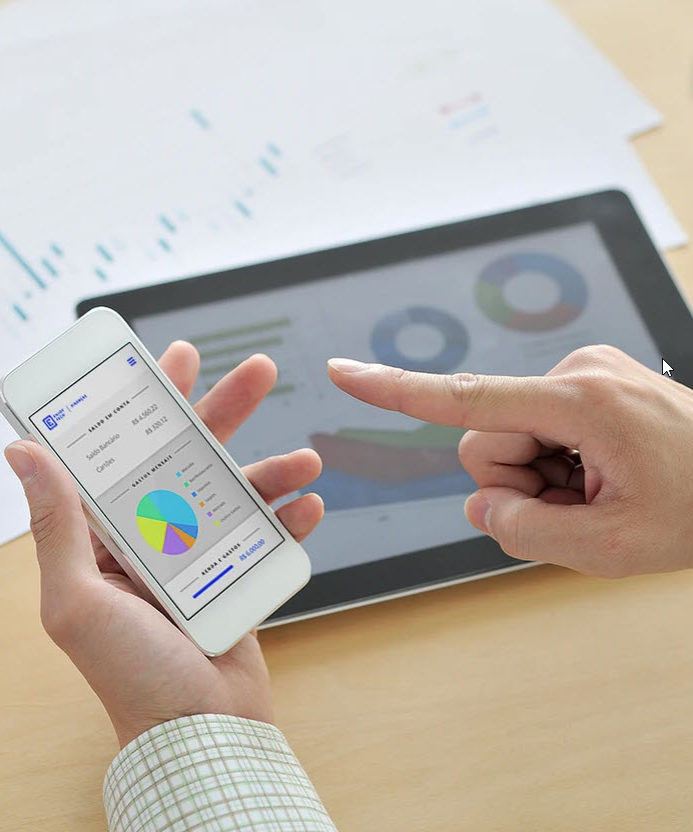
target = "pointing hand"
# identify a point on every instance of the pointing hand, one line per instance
(587, 467)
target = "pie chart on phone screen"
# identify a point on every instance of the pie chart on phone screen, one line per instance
(167, 522)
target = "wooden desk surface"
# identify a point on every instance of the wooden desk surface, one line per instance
(540, 700)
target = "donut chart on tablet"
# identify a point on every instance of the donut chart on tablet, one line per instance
(454, 336)
(570, 283)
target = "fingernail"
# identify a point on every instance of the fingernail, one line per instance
(20, 461)
(478, 511)
(348, 365)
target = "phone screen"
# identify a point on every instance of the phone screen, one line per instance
(150, 470)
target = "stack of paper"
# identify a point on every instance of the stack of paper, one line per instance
(155, 139)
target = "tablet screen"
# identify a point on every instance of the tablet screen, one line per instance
(391, 484)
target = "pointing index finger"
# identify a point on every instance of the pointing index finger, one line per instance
(534, 404)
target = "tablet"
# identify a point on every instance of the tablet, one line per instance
(511, 293)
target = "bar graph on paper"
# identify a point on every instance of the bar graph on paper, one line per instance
(31, 271)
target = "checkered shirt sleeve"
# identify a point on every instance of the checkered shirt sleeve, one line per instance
(211, 773)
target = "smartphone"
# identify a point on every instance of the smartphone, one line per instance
(159, 490)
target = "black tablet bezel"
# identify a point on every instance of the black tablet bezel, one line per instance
(644, 275)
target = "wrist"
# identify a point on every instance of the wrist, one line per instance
(129, 727)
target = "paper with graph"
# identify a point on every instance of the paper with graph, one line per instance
(280, 128)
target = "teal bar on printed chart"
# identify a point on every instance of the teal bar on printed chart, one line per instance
(12, 251)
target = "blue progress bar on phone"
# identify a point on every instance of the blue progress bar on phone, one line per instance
(213, 581)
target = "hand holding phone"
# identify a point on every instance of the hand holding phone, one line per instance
(144, 669)
(160, 491)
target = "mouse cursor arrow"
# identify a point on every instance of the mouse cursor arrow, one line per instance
(667, 369)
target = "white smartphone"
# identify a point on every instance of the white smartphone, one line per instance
(160, 491)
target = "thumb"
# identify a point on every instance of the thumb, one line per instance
(58, 523)
(529, 528)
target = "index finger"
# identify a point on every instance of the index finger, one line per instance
(512, 404)
(234, 397)
(181, 363)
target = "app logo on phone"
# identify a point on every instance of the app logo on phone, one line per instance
(49, 422)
